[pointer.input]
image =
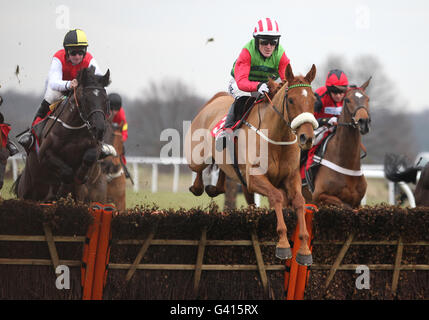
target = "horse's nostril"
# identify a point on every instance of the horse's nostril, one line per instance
(303, 139)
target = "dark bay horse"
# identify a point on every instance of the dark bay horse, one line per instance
(113, 170)
(339, 180)
(69, 144)
(397, 169)
(268, 149)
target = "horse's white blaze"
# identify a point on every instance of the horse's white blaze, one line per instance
(304, 92)
(96, 91)
(359, 95)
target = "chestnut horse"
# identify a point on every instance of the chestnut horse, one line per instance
(339, 180)
(282, 126)
(112, 167)
(69, 144)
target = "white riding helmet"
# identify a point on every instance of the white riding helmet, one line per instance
(266, 27)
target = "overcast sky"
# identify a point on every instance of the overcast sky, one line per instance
(144, 41)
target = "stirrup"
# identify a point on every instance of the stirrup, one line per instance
(107, 150)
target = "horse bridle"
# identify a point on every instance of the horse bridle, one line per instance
(285, 104)
(86, 121)
(354, 123)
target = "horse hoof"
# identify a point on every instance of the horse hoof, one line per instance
(196, 192)
(304, 260)
(283, 253)
(212, 191)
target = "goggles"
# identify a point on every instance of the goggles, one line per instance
(266, 42)
(75, 52)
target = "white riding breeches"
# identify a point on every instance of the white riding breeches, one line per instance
(237, 93)
(52, 96)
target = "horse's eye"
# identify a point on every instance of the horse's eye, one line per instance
(290, 100)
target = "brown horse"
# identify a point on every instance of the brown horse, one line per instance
(113, 170)
(69, 144)
(282, 127)
(339, 180)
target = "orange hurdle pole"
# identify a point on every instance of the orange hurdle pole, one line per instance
(293, 266)
(303, 272)
(91, 251)
(101, 260)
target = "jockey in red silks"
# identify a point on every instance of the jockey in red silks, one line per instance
(4, 132)
(65, 65)
(329, 102)
(261, 58)
(327, 108)
(119, 118)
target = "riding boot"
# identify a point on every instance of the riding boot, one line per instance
(107, 150)
(235, 112)
(13, 149)
(27, 138)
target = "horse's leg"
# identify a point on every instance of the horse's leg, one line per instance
(327, 199)
(4, 154)
(307, 194)
(250, 197)
(197, 187)
(293, 189)
(121, 206)
(64, 170)
(88, 160)
(214, 191)
(262, 185)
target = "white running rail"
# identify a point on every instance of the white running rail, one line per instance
(370, 171)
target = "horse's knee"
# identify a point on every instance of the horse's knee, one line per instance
(276, 197)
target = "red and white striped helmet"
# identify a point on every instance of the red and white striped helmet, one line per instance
(266, 27)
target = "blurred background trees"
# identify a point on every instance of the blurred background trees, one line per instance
(166, 104)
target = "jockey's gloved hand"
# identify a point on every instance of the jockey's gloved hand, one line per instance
(333, 121)
(263, 88)
(323, 121)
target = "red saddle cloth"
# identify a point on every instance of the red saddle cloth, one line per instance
(4, 131)
(36, 129)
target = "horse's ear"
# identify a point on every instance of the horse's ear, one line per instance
(105, 80)
(366, 83)
(311, 74)
(82, 75)
(289, 73)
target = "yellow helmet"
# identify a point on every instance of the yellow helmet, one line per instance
(75, 38)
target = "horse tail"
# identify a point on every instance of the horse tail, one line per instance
(14, 188)
(396, 169)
